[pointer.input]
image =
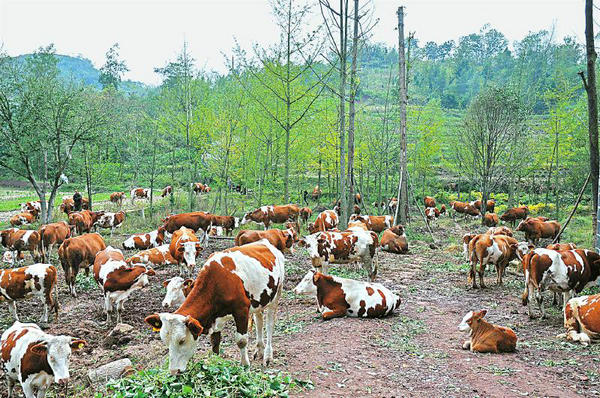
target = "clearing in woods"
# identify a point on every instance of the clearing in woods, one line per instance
(415, 352)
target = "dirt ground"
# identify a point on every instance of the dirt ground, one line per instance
(416, 352)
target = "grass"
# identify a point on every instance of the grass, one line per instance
(289, 325)
(402, 336)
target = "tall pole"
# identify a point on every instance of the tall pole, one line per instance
(402, 98)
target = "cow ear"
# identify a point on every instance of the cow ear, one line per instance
(194, 326)
(166, 283)
(181, 249)
(150, 271)
(78, 344)
(154, 321)
(40, 349)
(188, 282)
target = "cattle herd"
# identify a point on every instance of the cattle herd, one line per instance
(246, 281)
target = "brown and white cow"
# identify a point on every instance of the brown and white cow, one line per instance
(305, 214)
(10, 258)
(325, 221)
(241, 282)
(228, 223)
(38, 280)
(68, 205)
(582, 319)
(177, 290)
(490, 219)
(464, 208)
(51, 235)
(499, 231)
(283, 240)
(374, 223)
(432, 214)
(84, 220)
(184, 248)
(326, 248)
(139, 193)
(491, 249)
(117, 198)
(394, 240)
(155, 257)
(267, 215)
(79, 252)
(197, 220)
(514, 214)
(491, 205)
(33, 207)
(146, 241)
(199, 188)
(166, 191)
(23, 218)
(393, 203)
(35, 359)
(316, 193)
(486, 337)
(561, 246)
(118, 280)
(536, 229)
(21, 240)
(111, 220)
(429, 201)
(338, 297)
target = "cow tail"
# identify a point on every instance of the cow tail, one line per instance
(525, 295)
(55, 287)
(41, 243)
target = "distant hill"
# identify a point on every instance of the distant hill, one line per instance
(82, 69)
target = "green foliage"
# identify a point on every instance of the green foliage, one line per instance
(113, 69)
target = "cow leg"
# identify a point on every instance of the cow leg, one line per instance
(11, 385)
(368, 265)
(108, 309)
(481, 273)
(336, 313)
(120, 306)
(215, 342)
(28, 390)
(540, 300)
(466, 345)
(45, 316)
(12, 308)
(241, 336)
(42, 391)
(271, 315)
(566, 296)
(260, 343)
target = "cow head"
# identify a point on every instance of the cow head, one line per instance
(180, 334)
(290, 239)
(471, 321)
(190, 250)
(307, 284)
(177, 291)
(443, 209)
(57, 350)
(523, 248)
(398, 229)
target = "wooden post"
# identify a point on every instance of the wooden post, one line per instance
(402, 186)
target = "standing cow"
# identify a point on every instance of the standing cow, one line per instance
(78, 252)
(266, 215)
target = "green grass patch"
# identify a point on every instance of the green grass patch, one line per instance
(347, 272)
(83, 282)
(403, 334)
(289, 325)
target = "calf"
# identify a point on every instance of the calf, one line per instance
(282, 240)
(429, 201)
(305, 214)
(111, 220)
(51, 235)
(79, 252)
(325, 221)
(21, 240)
(228, 223)
(184, 249)
(516, 213)
(374, 223)
(491, 249)
(117, 198)
(486, 337)
(326, 248)
(197, 220)
(145, 241)
(464, 208)
(490, 219)
(394, 240)
(166, 191)
(536, 229)
(432, 214)
(177, 290)
(35, 359)
(139, 193)
(84, 220)
(339, 297)
(23, 218)
(118, 280)
(582, 319)
(266, 215)
(466, 238)
(157, 256)
(239, 282)
(37, 280)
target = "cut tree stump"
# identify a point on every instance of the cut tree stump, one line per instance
(110, 371)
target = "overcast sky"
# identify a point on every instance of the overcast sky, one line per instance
(152, 32)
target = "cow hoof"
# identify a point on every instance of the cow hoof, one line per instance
(258, 354)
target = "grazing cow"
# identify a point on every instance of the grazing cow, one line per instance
(199, 188)
(338, 297)
(432, 214)
(464, 208)
(79, 252)
(139, 193)
(429, 201)
(266, 215)
(282, 240)
(486, 337)
(582, 319)
(51, 235)
(514, 214)
(535, 229)
(229, 223)
(558, 271)
(157, 256)
(216, 231)
(561, 246)
(21, 240)
(394, 240)
(111, 220)
(490, 219)
(305, 214)
(393, 204)
(177, 290)
(491, 249)
(500, 231)
(22, 219)
(374, 223)
(68, 205)
(84, 220)
(145, 241)
(197, 220)
(316, 193)
(491, 205)
(35, 359)
(118, 280)
(166, 191)
(239, 282)
(325, 221)
(326, 248)
(184, 248)
(37, 280)
(34, 207)
(117, 198)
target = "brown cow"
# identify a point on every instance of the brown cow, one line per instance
(305, 214)
(156, 256)
(491, 249)
(512, 215)
(79, 252)
(490, 219)
(561, 246)
(429, 201)
(535, 229)
(316, 193)
(199, 188)
(117, 198)
(486, 337)
(68, 205)
(266, 215)
(84, 220)
(464, 208)
(394, 240)
(229, 223)
(491, 205)
(140, 193)
(325, 221)
(197, 220)
(282, 240)
(166, 191)
(374, 223)
(432, 214)
(21, 240)
(582, 319)
(184, 248)
(23, 218)
(51, 235)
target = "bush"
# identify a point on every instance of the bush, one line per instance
(542, 209)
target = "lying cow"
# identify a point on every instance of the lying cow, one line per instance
(514, 214)
(326, 248)
(184, 249)
(490, 219)
(155, 257)
(228, 223)
(325, 221)
(486, 337)
(464, 208)
(37, 280)
(111, 220)
(536, 229)
(117, 198)
(491, 205)
(51, 235)
(267, 215)
(79, 252)
(239, 282)
(139, 193)
(34, 207)
(394, 240)
(339, 297)
(283, 240)
(118, 280)
(145, 241)
(35, 359)
(374, 223)
(23, 218)
(582, 319)
(177, 290)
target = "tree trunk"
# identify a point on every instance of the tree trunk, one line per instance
(352, 112)
(403, 189)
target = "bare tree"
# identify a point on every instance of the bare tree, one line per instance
(402, 208)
